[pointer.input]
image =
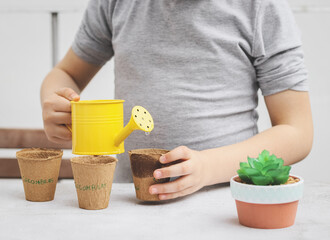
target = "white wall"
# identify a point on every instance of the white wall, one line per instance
(25, 58)
(315, 29)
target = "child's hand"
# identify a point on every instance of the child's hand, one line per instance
(191, 169)
(56, 112)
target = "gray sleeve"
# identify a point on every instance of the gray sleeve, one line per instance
(277, 49)
(92, 42)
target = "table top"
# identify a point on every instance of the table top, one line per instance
(209, 213)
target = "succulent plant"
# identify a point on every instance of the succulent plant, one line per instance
(264, 170)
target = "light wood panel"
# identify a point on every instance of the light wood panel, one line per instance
(27, 138)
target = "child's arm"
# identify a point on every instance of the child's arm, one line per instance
(62, 85)
(290, 138)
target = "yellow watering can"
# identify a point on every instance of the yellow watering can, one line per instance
(98, 126)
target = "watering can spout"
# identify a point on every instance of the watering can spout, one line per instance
(140, 120)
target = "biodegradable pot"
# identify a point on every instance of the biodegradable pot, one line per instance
(143, 163)
(93, 176)
(39, 169)
(267, 207)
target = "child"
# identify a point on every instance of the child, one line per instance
(196, 66)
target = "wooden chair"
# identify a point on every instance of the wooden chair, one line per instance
(26, 138)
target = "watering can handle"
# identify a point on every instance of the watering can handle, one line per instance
(69, 126)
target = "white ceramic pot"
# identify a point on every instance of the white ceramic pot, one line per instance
(267, 206)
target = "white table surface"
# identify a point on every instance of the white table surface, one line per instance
(207, 214)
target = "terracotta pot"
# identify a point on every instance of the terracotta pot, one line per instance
(143, 163)
(267, 207)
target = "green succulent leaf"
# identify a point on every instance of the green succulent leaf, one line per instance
(280, 161)
(258, 165)
(251, 172)
(261, 180)
(272, 157)
(244, 165)
(243, 176)
(269, 168)
(281, 179)
(240, 172)
(275, 172)
(263, 156)
(254, 163)
(264, 170)
(286, 169)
